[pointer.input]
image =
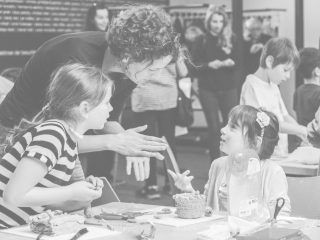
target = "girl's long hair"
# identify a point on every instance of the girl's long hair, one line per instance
(70, 85)
(225, 37)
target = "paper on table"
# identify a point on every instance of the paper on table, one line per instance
(218, 231)
(173, 220)
(93, 233)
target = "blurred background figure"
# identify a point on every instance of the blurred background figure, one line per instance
(97, 18)
(154, 103)
(254, 40)
(216, 54)
(191, 34)
(7, 79)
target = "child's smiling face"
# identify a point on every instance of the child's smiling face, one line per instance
(232, 139)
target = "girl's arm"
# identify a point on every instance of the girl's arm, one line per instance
(21, 189)
(278, 187)
(69, 206)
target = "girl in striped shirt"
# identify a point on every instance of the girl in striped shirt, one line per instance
(36, 170)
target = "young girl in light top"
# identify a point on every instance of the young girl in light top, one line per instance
(36, 170)
(247, 128)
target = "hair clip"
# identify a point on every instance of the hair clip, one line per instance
(263, 120)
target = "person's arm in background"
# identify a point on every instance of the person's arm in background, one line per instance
(234, 57)
(126, 142)
(313, 130)
(198, 53)
(181, 68)
(290, 125)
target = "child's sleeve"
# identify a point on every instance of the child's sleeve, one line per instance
(278, 187)
(47, 144)
(249, 96)
(206, 186)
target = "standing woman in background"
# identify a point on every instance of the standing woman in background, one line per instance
(216, 57)
(97, 18)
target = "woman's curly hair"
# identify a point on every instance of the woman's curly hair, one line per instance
(142, 33)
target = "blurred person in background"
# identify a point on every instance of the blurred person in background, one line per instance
(253, 44)
(216, 56)
(97, 18)
(306, 100)
(154, 103)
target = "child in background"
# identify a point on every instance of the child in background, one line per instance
(279, 57)
(307, 96)
(247, 128)
(36, 170)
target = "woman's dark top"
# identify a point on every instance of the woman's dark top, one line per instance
(205, 50)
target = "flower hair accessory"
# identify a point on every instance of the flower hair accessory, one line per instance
(263, 120)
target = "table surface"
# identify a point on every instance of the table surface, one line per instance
(132, 230)
(298, 169)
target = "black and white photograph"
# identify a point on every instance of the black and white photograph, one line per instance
(159, 119)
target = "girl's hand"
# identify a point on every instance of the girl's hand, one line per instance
(95, 181)
(84, 191)
(182, 181)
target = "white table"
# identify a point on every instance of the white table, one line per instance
(298, 169)
(162, 232)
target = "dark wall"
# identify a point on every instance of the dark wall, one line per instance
(26, 24)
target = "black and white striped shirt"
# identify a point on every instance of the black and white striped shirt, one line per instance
(49, 143)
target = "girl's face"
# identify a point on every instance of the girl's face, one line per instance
(216, 24)
(101, 19)
(98, 115)
(232, 140)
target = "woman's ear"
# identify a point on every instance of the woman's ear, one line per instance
(84, 109)
(269, 62)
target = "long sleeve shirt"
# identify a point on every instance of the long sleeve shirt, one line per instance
(273, 180)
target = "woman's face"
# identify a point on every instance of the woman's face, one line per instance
(139, 72)
(101, 20)
(216, 24)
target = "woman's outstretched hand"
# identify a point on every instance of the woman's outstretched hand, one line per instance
(182, 180)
